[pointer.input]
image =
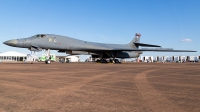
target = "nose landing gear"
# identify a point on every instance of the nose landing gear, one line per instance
(48, 57)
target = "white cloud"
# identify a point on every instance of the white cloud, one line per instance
(186, 40)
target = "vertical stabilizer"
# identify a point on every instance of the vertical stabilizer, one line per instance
(136, 39)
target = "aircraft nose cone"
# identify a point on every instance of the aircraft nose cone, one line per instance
(11, 42)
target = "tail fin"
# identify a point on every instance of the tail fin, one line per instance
(136, 39)
(135, 43)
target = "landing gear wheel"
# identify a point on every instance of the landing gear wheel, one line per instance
(48, 61)
(113, 61)
(101, 61)
(116, 61)
(98, 61)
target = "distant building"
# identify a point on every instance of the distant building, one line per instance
(169, 58)
(12, 56)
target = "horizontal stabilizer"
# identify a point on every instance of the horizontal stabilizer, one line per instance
(159, 48)
(146, 45)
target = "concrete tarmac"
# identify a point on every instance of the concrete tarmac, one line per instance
(92, 87)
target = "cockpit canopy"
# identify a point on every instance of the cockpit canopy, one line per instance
(39, 36)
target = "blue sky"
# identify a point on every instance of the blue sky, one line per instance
(169, 23)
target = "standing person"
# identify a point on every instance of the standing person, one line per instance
(32, 61)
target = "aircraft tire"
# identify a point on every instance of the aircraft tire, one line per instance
(116, 61)
(48, 61)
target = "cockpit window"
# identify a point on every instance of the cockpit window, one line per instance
(37, 36)
(43, 36)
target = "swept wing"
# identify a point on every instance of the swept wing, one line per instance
(133, 49)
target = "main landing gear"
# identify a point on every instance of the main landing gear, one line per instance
(114, 61)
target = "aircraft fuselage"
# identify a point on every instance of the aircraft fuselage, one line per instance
(63, 43)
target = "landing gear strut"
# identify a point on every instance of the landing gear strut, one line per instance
(48, 57)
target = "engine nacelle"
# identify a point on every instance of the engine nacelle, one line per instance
(127, 55)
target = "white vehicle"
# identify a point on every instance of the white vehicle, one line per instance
(182, 58)
(192, 58)
(73, 58)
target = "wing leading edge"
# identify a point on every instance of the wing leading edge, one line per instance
(132, 49)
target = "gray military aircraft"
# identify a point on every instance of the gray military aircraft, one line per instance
(74, 46)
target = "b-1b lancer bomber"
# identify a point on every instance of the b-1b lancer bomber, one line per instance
(75, 47)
